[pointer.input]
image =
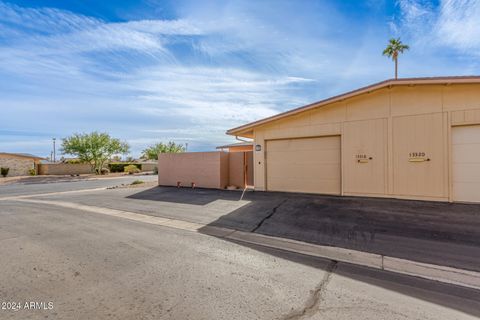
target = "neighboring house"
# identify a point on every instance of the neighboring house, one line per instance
(19, 164)
(416, 138)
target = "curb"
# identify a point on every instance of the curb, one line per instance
(460, 277)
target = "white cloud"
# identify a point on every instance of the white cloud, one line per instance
(459, 24)
(453, 23)
(212, 95)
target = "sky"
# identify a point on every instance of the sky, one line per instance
(152, 71)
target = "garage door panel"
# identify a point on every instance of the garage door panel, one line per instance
(466, 163)
(304, 165)
(464, 136)
(306, 144)
(466, 153)
(323, 172)
(468, 172)
(302, 185)
(301, 158)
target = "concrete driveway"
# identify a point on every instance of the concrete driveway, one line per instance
(95, 266)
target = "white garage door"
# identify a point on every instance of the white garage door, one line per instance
(466, 163)
(309, 165)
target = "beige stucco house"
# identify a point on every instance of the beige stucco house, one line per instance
(19, 164)
(415, 138)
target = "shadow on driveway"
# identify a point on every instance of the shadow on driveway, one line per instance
(432, 232)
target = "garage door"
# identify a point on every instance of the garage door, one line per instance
(309, 165)
(466, 163)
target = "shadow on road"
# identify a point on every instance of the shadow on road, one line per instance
(430, 232)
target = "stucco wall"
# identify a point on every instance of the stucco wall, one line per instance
(205, 169)
(64, 168)
(401, 120)
(236, 169)
(18, 166)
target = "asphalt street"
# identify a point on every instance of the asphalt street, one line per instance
(17, 189)
(94, 266)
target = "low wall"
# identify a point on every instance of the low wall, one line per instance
(205, 169)
(64, 168)
(17, 166)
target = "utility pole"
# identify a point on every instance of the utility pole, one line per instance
(186, 146)
(54, 156)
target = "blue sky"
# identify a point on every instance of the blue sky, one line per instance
(149, 71)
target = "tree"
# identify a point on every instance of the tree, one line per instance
(151, 153)
(94, 148)
(394, 48)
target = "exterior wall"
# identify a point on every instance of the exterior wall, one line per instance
(64, 168)
(19, 166)
(394, 126)
(205, 169)
(236, 169)
(224, 170)
(250, 166)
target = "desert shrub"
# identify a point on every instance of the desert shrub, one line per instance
(74, 161)
(32, 172)
(120, 166)
(4, 171)
(137, 182)
(104, 171)
(131, 169)
(155, 170)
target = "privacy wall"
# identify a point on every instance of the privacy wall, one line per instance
(206, 169)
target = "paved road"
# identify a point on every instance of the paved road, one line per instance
(16, 189)
(93, 266)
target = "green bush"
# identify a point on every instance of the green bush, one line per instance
(104, 171)
(32, 172)
(120, 166)
(74, 161)
(155, 170)
(137, 182)
(131, 169)
(4, 171)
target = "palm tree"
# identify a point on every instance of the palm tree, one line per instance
(395, 46)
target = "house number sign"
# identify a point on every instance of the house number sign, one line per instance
(416, 154)
(417, 157)
(362, 158)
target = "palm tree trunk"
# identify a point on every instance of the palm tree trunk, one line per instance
(396, 69)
